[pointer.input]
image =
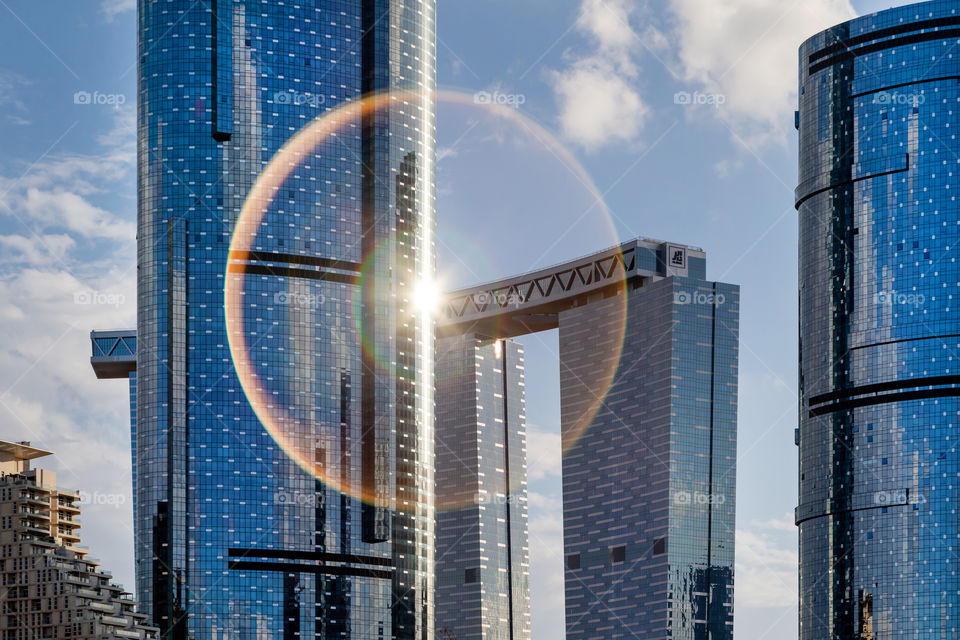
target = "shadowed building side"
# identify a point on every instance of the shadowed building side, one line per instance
(648, 371)
(483, 573)
(649, 485)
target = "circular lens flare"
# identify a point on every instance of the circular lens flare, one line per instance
(290, 424)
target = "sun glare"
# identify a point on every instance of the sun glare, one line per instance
(427, 297)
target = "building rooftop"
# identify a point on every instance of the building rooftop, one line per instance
(531, 302)
(20, 451)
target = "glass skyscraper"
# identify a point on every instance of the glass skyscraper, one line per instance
(879, 228)
(483, 566)
(323, 526)
(648, 390)
(649, 488)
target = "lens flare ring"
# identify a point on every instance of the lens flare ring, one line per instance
(280, 423)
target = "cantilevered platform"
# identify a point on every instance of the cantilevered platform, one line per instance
(114, 353)
(20, 451)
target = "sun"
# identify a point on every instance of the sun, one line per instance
(426, 296)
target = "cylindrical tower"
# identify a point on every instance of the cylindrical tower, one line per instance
(879, 331)
(292, 496)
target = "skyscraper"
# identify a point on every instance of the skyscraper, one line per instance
(649, 486)
(879, 228)
(483, 572)
(648, 382)
(284, 443)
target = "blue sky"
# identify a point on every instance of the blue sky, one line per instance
(601, 76)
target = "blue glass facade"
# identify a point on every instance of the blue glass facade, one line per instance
(649, 487)
(878, 116)
(235, 539)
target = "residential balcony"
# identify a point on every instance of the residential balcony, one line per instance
(69, 507)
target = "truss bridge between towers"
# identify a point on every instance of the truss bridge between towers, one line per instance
(532, 302)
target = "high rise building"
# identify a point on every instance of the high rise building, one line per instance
(284, 453)
(648, 381)
(49, 586)
(879, 478)
(649, 486)
(483, 572)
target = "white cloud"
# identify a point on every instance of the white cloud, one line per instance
(546, 564)
(113, 8)
(608, 21)
(83, 174)
(53, 196)
(50, 396)
(11, 90)
(766, 571)
(725, 167)
(446, 152)
(746, 51)
(544, 454)
(68, 210)
(35, 250)
(599, 103)
(48, 392)
(66, 267)
(123, 135)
